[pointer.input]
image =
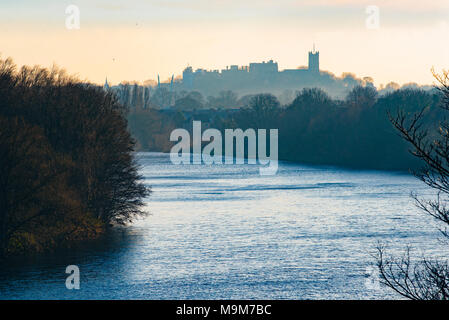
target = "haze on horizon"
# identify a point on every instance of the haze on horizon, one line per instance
(137, 40)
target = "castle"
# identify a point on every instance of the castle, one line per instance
(263, 77)
(252, 78)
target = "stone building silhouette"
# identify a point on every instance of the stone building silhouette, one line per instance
(314, 61)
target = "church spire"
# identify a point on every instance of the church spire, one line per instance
(106, 85)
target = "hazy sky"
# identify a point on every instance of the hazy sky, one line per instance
(136, 40)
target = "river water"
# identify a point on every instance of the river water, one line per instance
(225, 232)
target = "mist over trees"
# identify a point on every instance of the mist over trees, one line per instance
(313, 127)
(66, 164)
(174, 94)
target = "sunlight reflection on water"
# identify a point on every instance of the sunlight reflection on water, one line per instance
(224, 232)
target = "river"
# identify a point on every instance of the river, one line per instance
(225, 232)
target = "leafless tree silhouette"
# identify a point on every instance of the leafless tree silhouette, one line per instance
(427, 278)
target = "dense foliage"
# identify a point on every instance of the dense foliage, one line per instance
(66, 161)
(313, 128)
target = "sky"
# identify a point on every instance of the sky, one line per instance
(135, 40)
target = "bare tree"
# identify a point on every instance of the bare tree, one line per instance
(67, 167)
(427, 278)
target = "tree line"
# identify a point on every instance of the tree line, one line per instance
(314, 128)
(67, 169)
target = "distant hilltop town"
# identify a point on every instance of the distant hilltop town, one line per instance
(239, 81)
(255, 78)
